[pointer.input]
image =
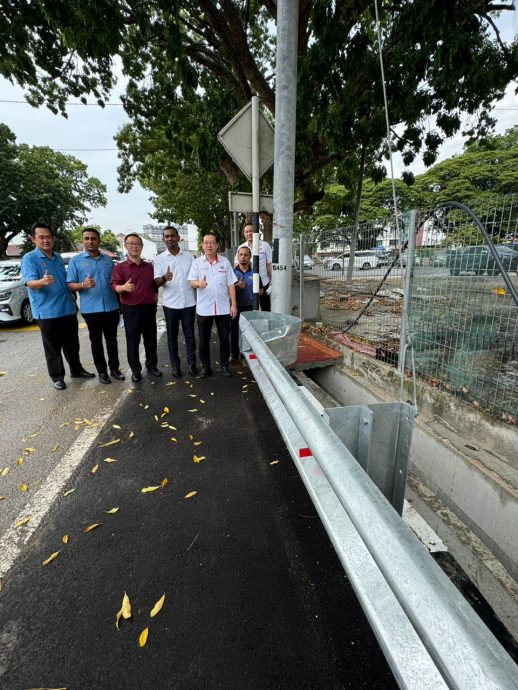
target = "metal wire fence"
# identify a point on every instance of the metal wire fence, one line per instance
(462, 318)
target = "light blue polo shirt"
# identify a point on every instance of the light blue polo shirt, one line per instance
(101, 297)
(51, 301)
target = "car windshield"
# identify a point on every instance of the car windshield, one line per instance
(505, 249)
(9, 273)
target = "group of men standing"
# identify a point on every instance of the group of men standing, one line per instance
(207, 289)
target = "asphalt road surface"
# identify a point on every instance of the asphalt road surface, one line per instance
(254, 594)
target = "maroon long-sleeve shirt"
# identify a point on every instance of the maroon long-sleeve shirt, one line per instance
(141, 275)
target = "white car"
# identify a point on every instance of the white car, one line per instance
(363, 259)
(14, 300)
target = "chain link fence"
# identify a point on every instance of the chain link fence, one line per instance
(461, 315)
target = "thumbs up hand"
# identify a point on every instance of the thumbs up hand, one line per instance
(88, 282)
(128, 286)
(203, 283)
(47, 279)
(168, 275)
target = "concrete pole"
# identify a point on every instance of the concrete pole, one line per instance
(255, 199)
(284, 155)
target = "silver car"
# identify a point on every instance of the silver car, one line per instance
(14, 300)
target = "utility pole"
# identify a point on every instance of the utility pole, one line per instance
(284, 153)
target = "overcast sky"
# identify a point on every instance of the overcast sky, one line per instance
(91, 127)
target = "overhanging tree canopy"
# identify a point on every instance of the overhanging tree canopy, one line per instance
(191, 65)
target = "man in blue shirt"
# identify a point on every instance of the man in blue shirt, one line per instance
(89, 274)
(244, 296)
(44, 274)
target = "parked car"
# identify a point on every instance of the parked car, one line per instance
(307, 261)
(14, 300)
(479, 260)
(363, 259)
(442, 258)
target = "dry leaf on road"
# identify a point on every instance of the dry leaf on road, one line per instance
(143, 637)
(91, 527)
(190, 494)
(110, 443)
(157, 607)
(50, 558)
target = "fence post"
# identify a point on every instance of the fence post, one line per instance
(404, 338)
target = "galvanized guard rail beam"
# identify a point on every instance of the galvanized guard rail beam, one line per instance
(430, 635)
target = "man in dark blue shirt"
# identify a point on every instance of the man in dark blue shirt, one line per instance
(89, 274)
(44, 274)
(244, 296)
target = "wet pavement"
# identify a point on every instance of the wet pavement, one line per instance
(255, 596)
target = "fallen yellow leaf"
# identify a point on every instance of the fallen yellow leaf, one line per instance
(23, 521)
(125, 610)
(23, 487)
(146, 407)
(64, 539)
(191, 395)
(202, 401)
(2, 498)
(147, 489)
(173, 439)
(112, 511)
(172, 427)
(109, 460)
(116, 426)
(156, 418)
(143, 637)
(166, 410)
(193, 410)
(164, 425)
(70, 491)
(4, 472)
(110, 443)
(274, 462)
(190, 437)
(27, 451)
(65, 424)
(190, 494)
(91, 527)
(195, 458)
(95, 468)
(164, 482)
(196, 443)
(53, 450)
(20, 460)
(157, 607)
(131, 434)
(50, 558)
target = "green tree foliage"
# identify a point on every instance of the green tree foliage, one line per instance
(109, 242)
(191, 65)
(485, 170)
(37, 183)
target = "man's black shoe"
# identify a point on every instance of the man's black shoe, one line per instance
(60, 385)
(104, 378)
(234, 359)
(226, 371)
(193, 370)
(136, 376)
(176, 373)
(117, 374)
(155, 372)
(83, 374)
(205, 373)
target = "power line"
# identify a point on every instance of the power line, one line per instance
(2, 100)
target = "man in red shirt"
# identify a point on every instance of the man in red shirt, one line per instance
(133, 280)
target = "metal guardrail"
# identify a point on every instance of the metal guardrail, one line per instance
(429, 634)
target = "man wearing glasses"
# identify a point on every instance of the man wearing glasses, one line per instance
(178, 299)
(213, 277)
(133, 281)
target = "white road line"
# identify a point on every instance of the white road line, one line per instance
(15, 538)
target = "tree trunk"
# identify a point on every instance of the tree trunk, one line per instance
(354, 237)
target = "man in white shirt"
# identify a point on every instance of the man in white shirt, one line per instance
(265, 265)
(213, 277)
(178, 299)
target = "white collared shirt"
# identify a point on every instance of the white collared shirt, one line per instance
(265, 258)
(214, 299)
(177, 294)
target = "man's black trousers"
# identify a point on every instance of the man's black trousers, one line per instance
(140, 321)
(204, 330)
(173, 318)
(104, 323)
(61, 334)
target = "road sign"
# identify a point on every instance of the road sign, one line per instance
(236, 138)
(241, 202)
